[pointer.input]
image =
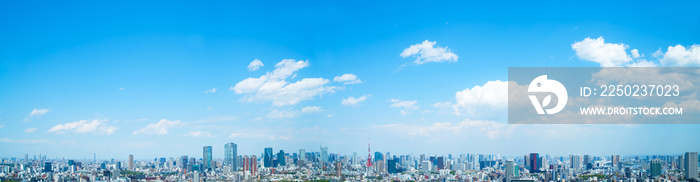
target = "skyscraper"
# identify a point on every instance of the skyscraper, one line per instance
(302, 154)
(534, 162)
(280, 159)
(131, 162)
(324, 156)
(575, 162)
(230, 155)
(206, 157)
(510, 171)
(615, 159)
(655, 168)
(267, 158)
(691, 165)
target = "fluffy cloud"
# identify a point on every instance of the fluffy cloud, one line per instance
(30, 130)
(212, 90)
(347, 79)
(680, 56)
(281, 114)
(635, 53)
(84, 126)
(493, 95)
(607, 54)
(24, 141)
(160, 128)
(199, 134)
(476, 128)
(311, 109)
(427, 52)
(406, 106)
(255, 65)
(352, 101)
(273, 86)
(36, 113)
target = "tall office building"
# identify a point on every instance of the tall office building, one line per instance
(615, 160)
(280, 159)
(302, 154)
(691, 165)
(267, 158)
(575, 162)
(324, 156)
(230, 155)
(655, 168)
(183, 162)
(253, 165)
(206, 157)
(391, 166)
(534, 162)
(586, 161)
(510, 171)
(131, 162)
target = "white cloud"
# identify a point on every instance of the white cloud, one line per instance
(406, 106)
(680, 56)
(635, 53)
(160, 128)
(352, 101)
(427, 52)
(25, 141)
(121, 88)
(281, 114)
(347, 79)
(199, 134)
(442, 104)
(2, 126)
(476, 128)
(493, 95)
(311, 109)
(607, 54)
(84, 126)
(36, 113)
(273, 86)
(641, 63)
(212, 90)
(255, 65)
(30, 130)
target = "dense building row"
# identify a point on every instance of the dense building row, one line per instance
(322, 165)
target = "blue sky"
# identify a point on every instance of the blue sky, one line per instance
(141, 74)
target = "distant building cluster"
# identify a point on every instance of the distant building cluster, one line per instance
(378, 166)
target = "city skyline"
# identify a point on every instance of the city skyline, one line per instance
(155, 80)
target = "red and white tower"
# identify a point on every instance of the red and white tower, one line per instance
(369, 154)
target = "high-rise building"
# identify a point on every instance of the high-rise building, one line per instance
(691, 165)
(575, 162)
(534, 162)
(324, 156)
(131, 162)
(655, 168)
(47, 167)
(338, 168)
(183, 162)
(206, 157)
(510, 171)
(281, 161)
(253, 165)
(302, 154)
(267, 158)
(391, 166)
(586, 161)
(615, 161)
(230, 155)
(425, 166)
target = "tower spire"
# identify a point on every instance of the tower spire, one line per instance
(369, 154)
